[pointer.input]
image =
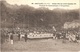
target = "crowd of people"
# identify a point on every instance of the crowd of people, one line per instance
(72, 36)
(9, 36)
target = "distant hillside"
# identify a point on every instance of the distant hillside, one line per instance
(14, 15)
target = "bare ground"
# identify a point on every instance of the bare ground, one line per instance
(41, 45)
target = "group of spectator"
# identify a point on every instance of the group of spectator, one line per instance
(65, 35)
(69, 35)
(9, 37)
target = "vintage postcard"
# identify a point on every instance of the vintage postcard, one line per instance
(40, 25)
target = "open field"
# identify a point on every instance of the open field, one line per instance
(41, 45)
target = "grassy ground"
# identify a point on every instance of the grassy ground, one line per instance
(40, 45)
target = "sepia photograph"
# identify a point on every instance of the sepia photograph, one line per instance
(39, 25)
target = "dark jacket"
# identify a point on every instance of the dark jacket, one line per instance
(11, 37)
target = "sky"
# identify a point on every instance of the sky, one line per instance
(51, 4)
